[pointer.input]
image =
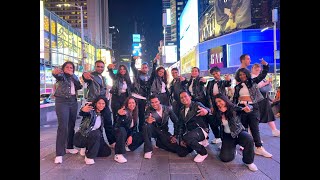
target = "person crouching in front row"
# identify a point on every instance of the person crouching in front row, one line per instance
(126, 127)
(233, 132)
(89, 137)
(194, 127)
(156, 126)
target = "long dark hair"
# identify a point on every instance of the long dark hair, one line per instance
(247, 73)
(125, 76)
(134, 113)
(230, 112)
(164, 78)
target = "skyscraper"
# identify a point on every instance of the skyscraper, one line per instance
(95, 17)
(165, 6)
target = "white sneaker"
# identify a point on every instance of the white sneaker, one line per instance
(72, 151)
(252, 167)
(83, 151)
(200, 158)
(276, 133)
(58, 160)
(120, 158)
(262, 152)
(112, 145)
(88, 160)
(148, 155)
(127, 148)
(216, 141)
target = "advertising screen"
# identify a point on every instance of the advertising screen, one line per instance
(136, 38)
(136, 49)
(217, 57)
(189, 33)
(188, 61)
(106, 56)
(224, 17)
(171, 54)
(41, 30)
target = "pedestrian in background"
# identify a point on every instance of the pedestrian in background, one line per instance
(266, 113)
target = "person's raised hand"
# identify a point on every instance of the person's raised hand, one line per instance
(57, 71)
(87, 107)
(202, 111)
(88, 75)
(150, 119)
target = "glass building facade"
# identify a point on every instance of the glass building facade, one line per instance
(59, 42)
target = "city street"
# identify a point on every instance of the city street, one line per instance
(163, 165)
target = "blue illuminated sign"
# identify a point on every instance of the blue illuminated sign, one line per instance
(135, 37)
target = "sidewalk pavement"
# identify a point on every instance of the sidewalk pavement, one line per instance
(162, 166)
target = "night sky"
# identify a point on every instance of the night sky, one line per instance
(147, 13)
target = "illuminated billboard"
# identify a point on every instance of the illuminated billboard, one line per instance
(106, 56)
(41, 30)
(188, 61)
(224, 17)
(136, 49)
(136, 38)
(168, 14)
(189, 33)
(217, 57)
(170, 54)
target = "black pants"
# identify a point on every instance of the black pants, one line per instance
(94, 144)
(162, 140)
(116, 103)
(108, 127)
(121, 138)
(192, 138)
(66, 110)
(229, 144)
(141, 110)
(214, 126)
(252, 120)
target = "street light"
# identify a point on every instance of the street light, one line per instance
(82, 33)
